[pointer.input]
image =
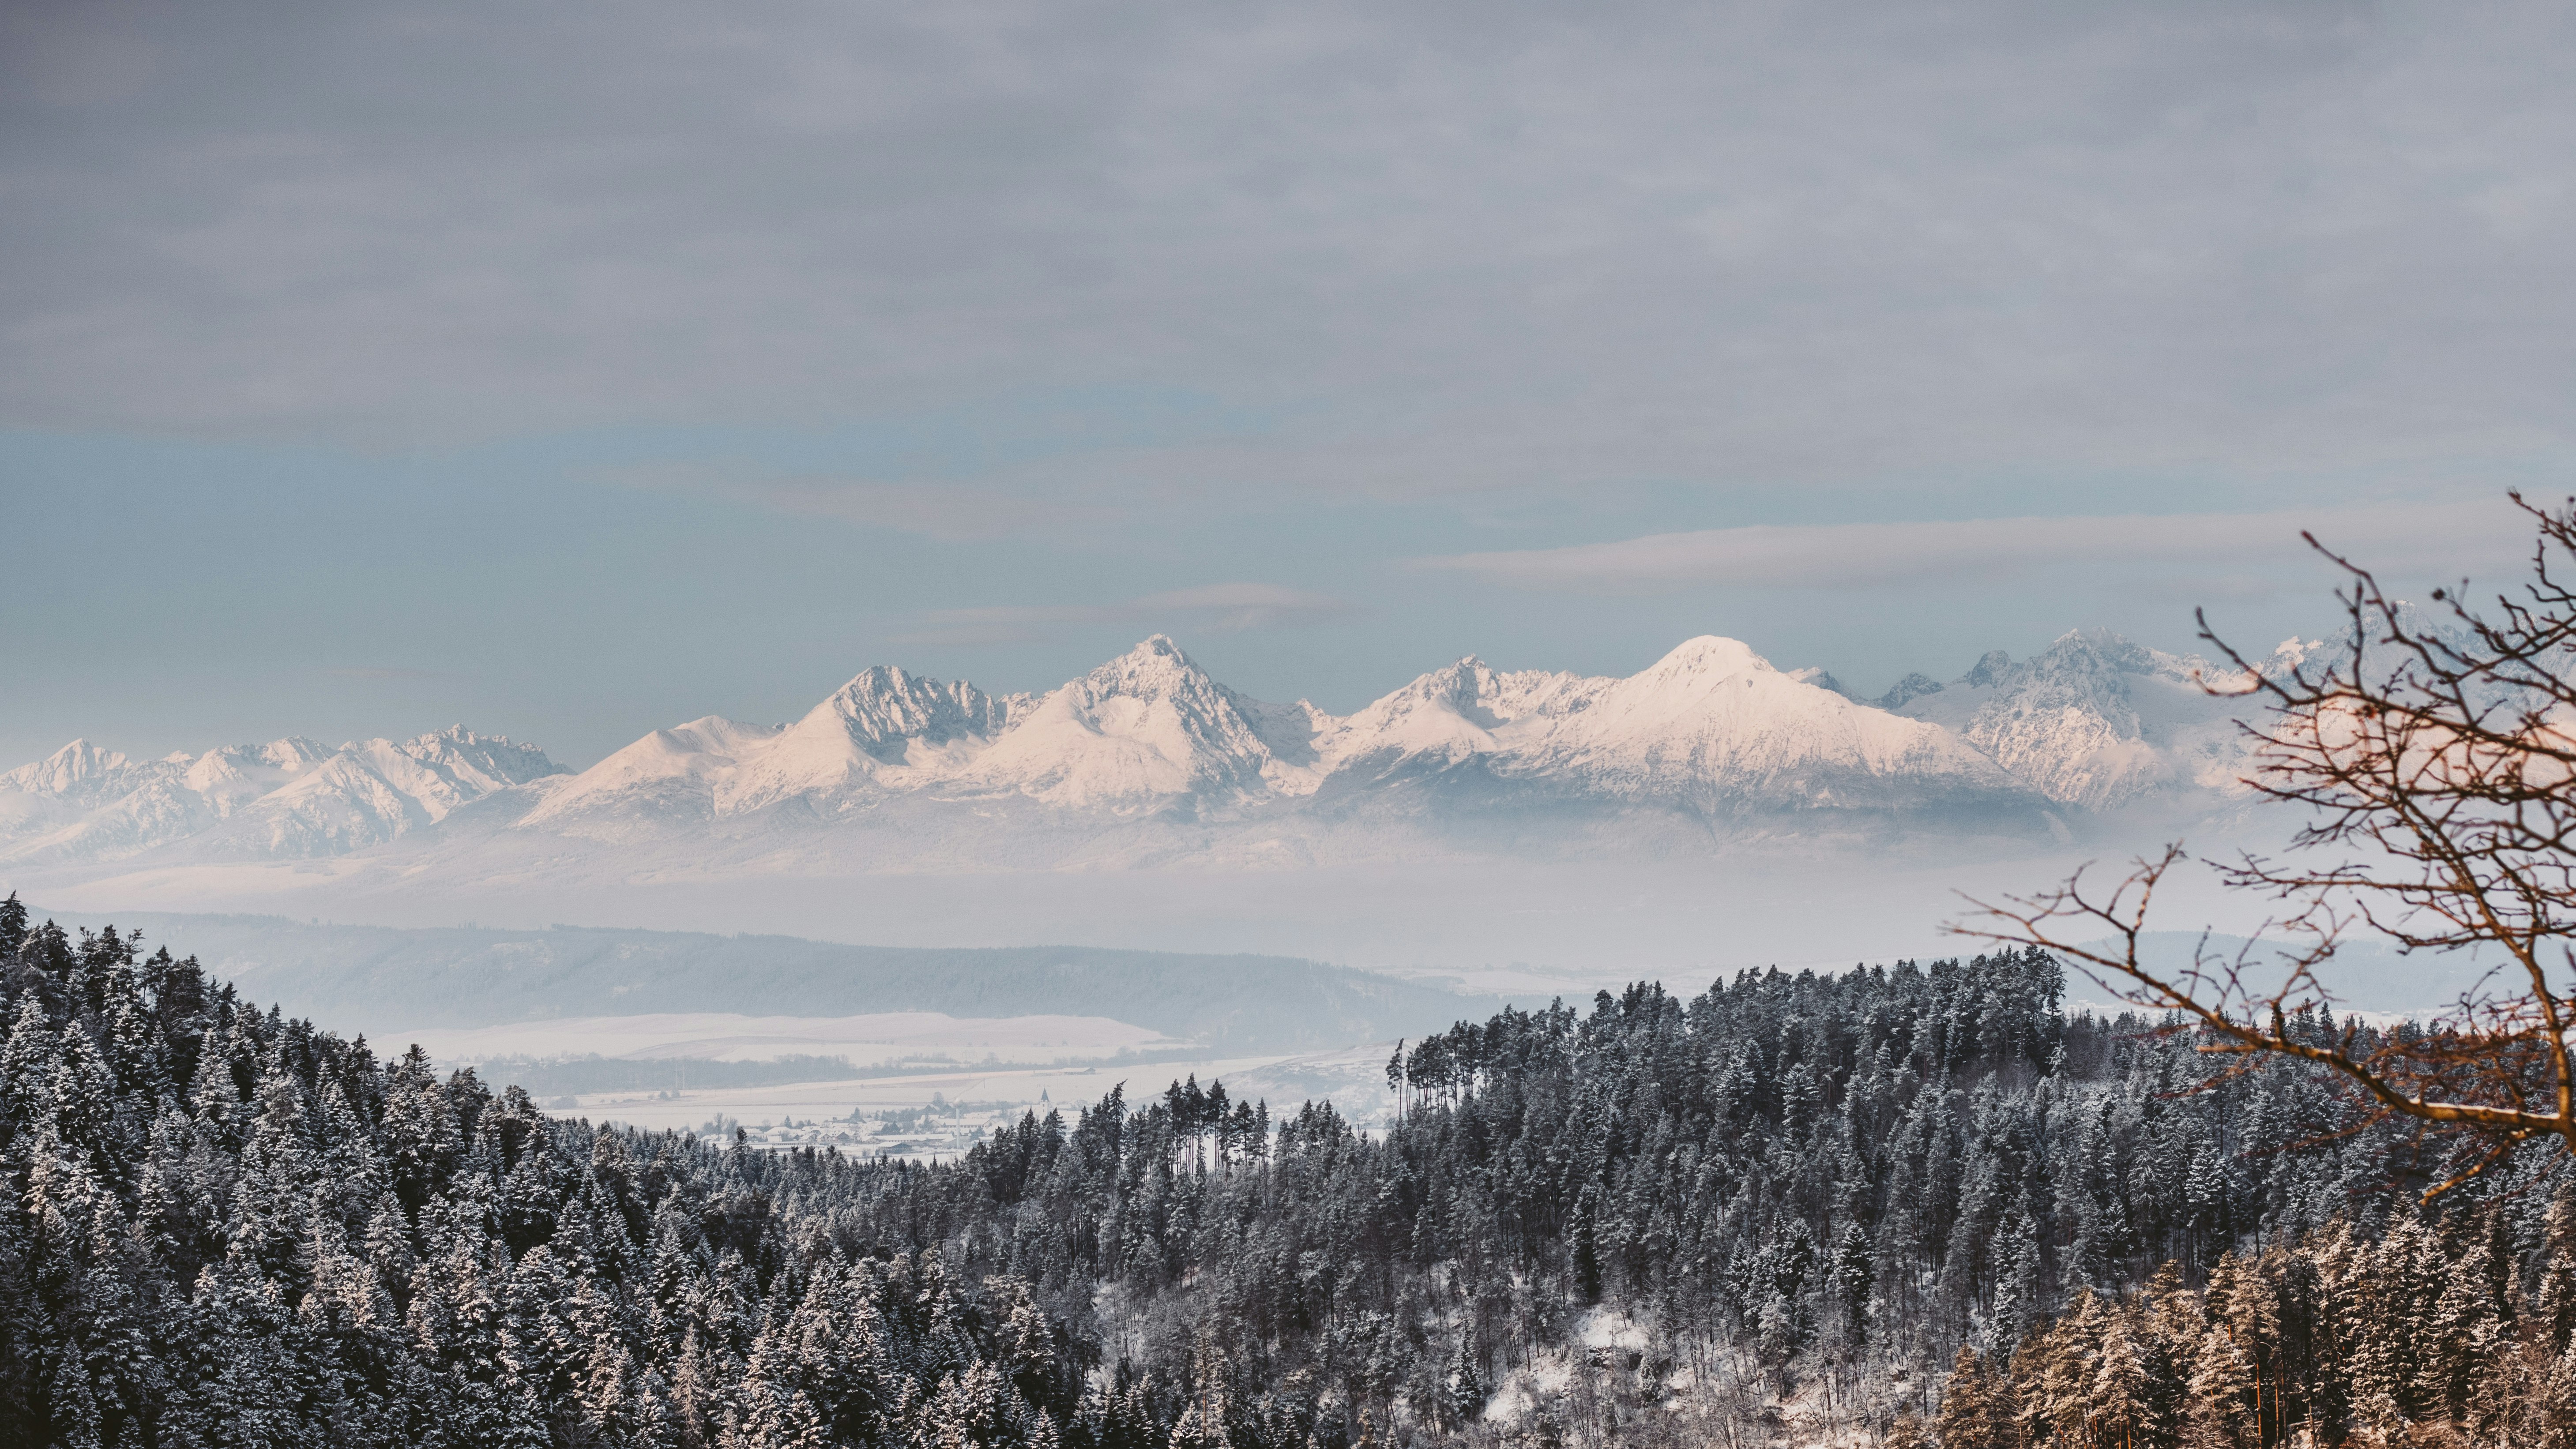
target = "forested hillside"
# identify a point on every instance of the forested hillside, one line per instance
(1775, 1212)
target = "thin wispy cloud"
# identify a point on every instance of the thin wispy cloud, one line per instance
(2400, 539)
(953, 512)
(1210, 608)
(383, 672)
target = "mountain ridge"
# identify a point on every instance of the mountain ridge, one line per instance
(287, 799)
(1147, 758)
(380, 978)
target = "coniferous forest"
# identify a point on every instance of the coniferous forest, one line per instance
(1902, 1205)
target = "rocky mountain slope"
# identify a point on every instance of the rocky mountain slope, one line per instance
(1148, 758)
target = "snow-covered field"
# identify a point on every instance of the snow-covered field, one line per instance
(939, 1114)
(886, 1037)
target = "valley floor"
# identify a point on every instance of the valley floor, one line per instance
(936, 1116)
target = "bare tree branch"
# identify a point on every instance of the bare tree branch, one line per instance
(2436, 756)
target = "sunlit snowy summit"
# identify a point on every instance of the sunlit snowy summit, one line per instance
(1147, 759)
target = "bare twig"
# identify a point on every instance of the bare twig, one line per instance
(2437, 759)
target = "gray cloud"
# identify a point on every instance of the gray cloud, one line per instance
(1458, 248)
(2211, 554)
(946, 510)
(1210, 608)
(378, 672)
(933, 510)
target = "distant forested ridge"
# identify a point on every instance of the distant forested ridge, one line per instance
(464, 976)
(1783, 1210)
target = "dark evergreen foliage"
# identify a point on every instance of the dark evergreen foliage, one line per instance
(1790, 1206)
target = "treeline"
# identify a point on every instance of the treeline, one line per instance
(1772, 1212)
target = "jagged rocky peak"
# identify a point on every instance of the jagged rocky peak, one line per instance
(2078, 655)
(1987, 672)
(1157, 668)
(235, 770)
(1465, 687)
(2097, 652)
(458, 737)
(371, 788)
(294, 752)
(1821, 678)
(1909, 689)
(481, 762)
(885, 707)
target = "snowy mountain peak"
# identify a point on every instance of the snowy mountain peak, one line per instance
(883, 719)
(1454, 713)
(66, 770)
(1713, 728)
(1709, 656)
(2099, 652)
(1146, 725)
(1448, 711)
(1156, 668)
(666, 777)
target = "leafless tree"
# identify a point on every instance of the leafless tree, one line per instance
(2435, 753)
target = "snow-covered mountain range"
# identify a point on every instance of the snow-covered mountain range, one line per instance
(287, 799)
(1148, 759)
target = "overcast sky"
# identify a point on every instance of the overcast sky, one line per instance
(574, 369)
